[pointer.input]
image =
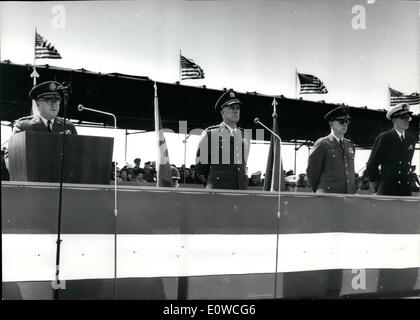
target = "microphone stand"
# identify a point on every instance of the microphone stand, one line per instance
(81, 108)
(278, 200)
(56, 286)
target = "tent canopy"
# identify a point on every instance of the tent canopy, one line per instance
(131, 99)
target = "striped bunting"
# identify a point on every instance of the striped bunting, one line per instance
(397, 97)
(190, 70)
(311, 84)
(44, 49)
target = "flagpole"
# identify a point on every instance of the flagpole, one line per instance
(34, 75)
(389, 98)
(180, 66)
(296, 83)
(156, 103)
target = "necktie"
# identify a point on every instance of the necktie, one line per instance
(402, 139)
(49, 126)
(341, 145)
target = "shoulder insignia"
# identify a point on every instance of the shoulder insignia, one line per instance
(212, 127)
(25, 118)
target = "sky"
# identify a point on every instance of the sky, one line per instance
(357, 48)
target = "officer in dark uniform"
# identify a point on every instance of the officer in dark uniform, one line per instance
(48, 100)
(331, 162)
(393, 150)
(223, 149)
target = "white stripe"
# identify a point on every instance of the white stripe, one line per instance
(31, 257)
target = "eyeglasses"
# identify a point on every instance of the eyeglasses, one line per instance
(343, 121)
(234, 107)
(53, 100)
(404, 116)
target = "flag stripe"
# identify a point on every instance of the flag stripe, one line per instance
(31, 257)
(44, 49)
(147, 211)
(311, 84)
(397, 97)
(190, 70)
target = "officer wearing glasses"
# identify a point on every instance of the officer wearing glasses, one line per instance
(393, 150)
(223, 149)
(331, 162)
(48, 99)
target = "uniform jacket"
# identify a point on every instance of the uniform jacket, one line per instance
(35, 123)
(394, 157)
(331, 169)
(221, 158)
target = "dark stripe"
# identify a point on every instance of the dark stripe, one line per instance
(88, 210)
(310, 284)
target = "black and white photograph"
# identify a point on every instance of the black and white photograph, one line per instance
(216, 151)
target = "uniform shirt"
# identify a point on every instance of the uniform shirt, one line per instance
(39, 124)
(221, 157)
(330, 168)
(46, 121)
(394, 157)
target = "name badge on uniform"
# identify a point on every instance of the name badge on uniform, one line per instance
(66, 132)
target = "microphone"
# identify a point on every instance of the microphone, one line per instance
(257, 121)
(80, 107)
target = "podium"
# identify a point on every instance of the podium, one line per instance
(36, 156)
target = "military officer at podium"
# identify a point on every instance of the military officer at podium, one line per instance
(223, 149)
(48, 99)
(393, 150)
(331, 162)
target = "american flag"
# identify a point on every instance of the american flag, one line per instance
(397, 97)
(44, 49)
(190, 70)
(311, 84)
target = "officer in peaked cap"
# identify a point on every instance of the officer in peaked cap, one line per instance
(331, 170)
(223, 149)
(401, 110)
(47, 97)
(331, 162)
(393, 150)
(337, 114)
(228, 98)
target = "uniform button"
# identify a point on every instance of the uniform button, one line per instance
(408, 182)
(400, 162)
(329, 188)
(399, 172)
(348, 180)
(399, 182)
(237, 154)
